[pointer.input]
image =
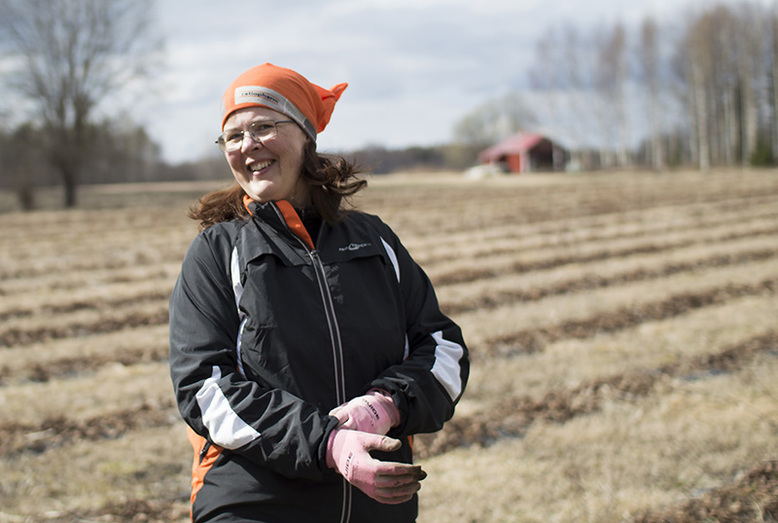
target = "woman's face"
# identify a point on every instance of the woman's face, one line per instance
(270, 170)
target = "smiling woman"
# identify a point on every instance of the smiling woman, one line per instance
(303, 336)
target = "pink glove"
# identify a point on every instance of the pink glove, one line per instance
(375, 412)
(348, 452)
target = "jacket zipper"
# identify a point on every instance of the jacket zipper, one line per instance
(329, 310)
(337, 347)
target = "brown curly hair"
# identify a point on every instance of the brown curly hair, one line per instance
(332, 180)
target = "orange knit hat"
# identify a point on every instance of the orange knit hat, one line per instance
(285, 91)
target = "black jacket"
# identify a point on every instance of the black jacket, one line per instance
(268, 334)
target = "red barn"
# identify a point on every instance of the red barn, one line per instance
(525, 153)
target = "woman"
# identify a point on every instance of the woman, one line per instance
(306, 346)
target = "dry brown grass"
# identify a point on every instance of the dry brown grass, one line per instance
(688, 437)
(622, 329)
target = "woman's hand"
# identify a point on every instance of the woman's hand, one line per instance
(375, 412)
(348, 452)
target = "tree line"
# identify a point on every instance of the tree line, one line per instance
(701, 92)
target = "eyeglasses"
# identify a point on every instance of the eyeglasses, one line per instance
(260, 131)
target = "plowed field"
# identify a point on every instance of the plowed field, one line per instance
(623, 331)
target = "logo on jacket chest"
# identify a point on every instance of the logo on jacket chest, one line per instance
(354, 247)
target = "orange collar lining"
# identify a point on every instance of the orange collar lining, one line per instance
(290, 216)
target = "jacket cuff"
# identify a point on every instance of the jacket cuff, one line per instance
(400, 401)
(332, 424)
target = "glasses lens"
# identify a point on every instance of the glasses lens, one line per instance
(231, 141)
(262, 131)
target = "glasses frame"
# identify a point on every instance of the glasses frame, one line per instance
(222, 142)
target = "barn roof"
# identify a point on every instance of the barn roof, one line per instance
(516, 144)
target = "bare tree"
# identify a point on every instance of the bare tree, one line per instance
(72, 54)
(700, 71)
(610, 84)
(773, 77)
(579, 115)
(750, 34)
(649, 58)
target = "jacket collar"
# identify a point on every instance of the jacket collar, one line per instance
(281, 215)
(269, 232)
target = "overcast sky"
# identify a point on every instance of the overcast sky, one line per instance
(414, 67)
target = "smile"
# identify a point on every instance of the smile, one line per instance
(260, 166)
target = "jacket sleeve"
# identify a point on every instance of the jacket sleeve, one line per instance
(268, 426)
(427, 385)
